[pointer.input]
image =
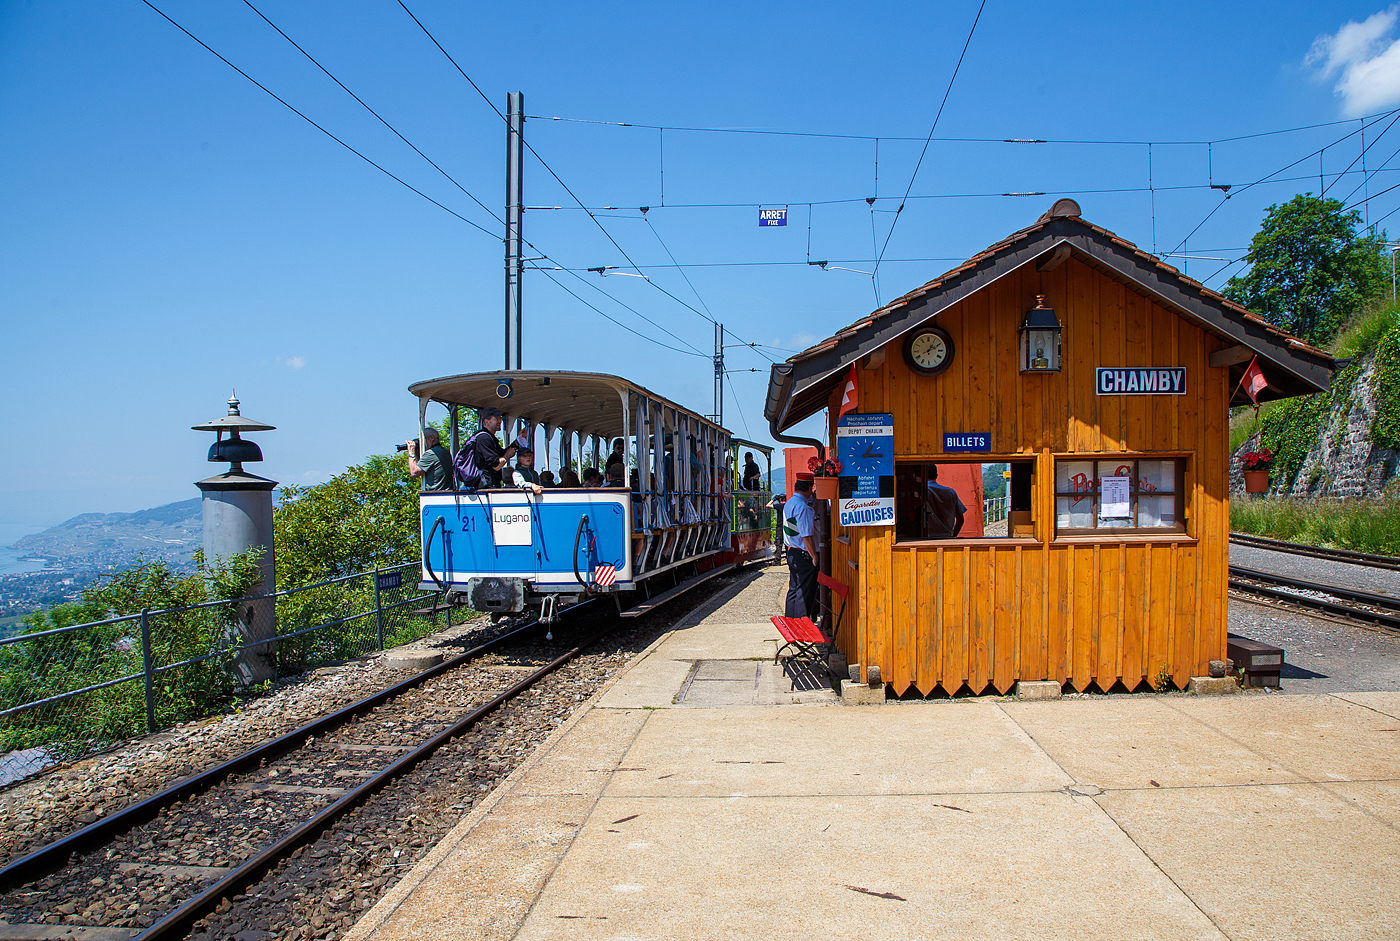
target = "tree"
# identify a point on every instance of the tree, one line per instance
(365, 516)
(1310, 269)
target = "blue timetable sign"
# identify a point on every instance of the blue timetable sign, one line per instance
(767, 217)
(967, 441)
(865, 448)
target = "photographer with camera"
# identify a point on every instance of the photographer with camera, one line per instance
(434, 465)
(480, 460)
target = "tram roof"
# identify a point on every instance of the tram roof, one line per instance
(588, 402)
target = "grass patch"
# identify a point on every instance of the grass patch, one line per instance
(1362, 526)
(1364, 331)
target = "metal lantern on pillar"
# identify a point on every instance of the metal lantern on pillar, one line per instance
(1040, 339)
(237, 516)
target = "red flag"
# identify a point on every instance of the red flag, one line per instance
(851, 397)
(1254, 381)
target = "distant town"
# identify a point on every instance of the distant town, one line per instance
(79, 550)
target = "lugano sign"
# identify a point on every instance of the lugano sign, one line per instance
(1144, 380)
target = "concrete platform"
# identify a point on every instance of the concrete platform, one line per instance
(701, 796)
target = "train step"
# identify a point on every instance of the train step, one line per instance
(670, 593)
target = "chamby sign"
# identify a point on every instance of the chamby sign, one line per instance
(1155, 380)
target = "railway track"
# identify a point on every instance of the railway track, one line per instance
(184, 860)
(1316, 552)
(1380, 610)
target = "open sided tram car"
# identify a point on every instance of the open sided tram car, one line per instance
(507, 550)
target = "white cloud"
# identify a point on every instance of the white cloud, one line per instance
(296, 362)
(1364, 59)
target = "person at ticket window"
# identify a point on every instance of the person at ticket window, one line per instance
(943, 510)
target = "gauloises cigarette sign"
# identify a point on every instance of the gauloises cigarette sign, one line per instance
(865, 448)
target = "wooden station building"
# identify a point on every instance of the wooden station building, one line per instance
(1108, 402)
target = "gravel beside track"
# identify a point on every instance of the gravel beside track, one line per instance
(323, 888)
(1321, 656)
(1342, 574)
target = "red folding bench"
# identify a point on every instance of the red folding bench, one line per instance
(801, 634)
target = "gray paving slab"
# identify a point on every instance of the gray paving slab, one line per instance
(1242, 817)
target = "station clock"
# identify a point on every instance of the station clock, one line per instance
(928, 350)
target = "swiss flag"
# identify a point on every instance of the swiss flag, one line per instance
(1254, 381)
(851, 397)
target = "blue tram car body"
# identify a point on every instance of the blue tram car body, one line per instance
(503, 550)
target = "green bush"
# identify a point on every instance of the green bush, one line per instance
(46, 667)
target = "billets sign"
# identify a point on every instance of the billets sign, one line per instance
(967, 441)
(865, 448)
(1150, 380)
(767, 217)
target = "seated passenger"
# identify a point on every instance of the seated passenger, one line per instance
(617, 456)
(524, 475)
(434, 465)
(569, 479)
(591, 478)
(547, 479)
(614, 476)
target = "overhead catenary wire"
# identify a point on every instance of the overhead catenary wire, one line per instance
(397, 179)
(491, 212)
(915, 175)
(563, 287)
(1264, 179)
(849, 200)
(544, 163)
(317, 126)
(950, 140)
(1360, 158)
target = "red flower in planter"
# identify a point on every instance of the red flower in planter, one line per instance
(828, 468)
(1258, 460)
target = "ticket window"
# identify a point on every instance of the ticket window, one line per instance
(1119, 495)
(959, 499)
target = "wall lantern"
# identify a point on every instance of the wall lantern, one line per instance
(1040, 339)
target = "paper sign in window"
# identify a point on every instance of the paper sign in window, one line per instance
(1114, 499)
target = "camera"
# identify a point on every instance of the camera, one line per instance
(400, 447)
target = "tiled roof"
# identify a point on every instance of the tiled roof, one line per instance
(992, 250)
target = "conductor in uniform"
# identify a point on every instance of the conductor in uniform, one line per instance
(800, 541)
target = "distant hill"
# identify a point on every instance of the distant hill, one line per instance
(98, 540)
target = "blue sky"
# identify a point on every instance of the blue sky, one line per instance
(170, 232)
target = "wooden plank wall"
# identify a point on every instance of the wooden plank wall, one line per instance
(983, 614)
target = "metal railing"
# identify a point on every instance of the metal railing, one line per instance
(76, 688)
(994, 509)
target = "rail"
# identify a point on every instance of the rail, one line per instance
(1317, 552)
(1380, 610)
(73, 689)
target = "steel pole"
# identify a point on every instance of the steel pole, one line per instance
(378, 612)
(147, 671)
(719, 373)
(515, 210)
